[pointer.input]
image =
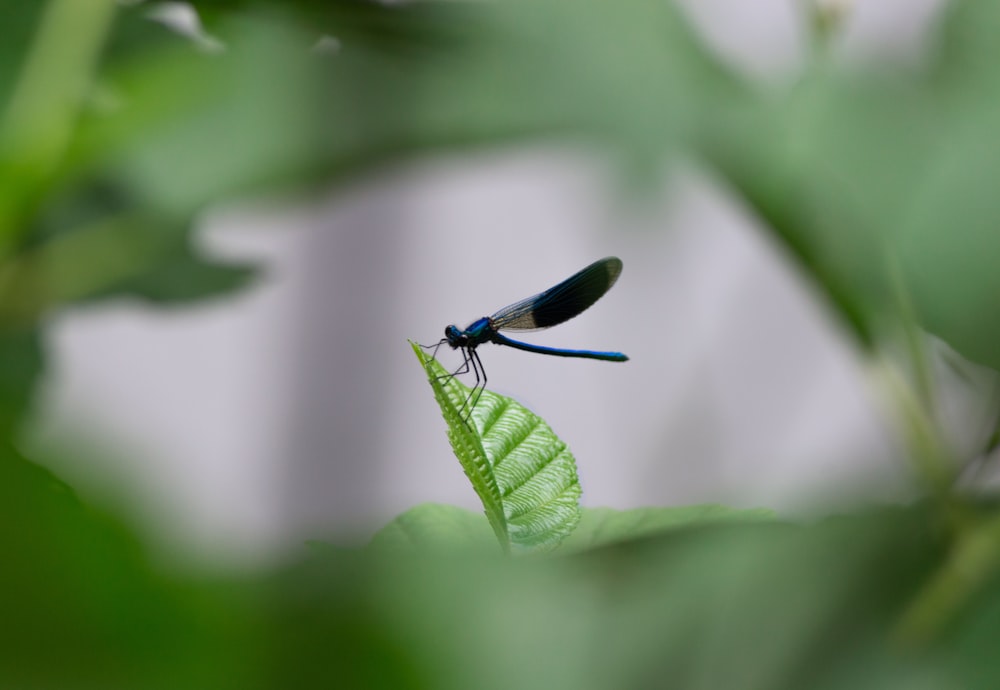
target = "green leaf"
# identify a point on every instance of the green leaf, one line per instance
(38, 123)
(20, 22)
(190, 128)
(122, 254)
(850, 171)
(601, 526)
(21, 366)
(755, 603)
(181, 276)
(83, 605)
(437, 525)
(949, 236)
(523, 473)
(409, 79)
(433, 525)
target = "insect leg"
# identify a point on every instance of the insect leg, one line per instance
(482, 386)
(434, 347)
(472, 361)
(463, 368)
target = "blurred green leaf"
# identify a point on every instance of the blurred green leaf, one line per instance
(952, 224)
(38, 123)
(432, 526)
(522, 472)
(180, 275)
(420, 77)
(20, 21)
(968, 646)
(603, 526)
(803, 163)
(118, 255)
(236, 121)
(21, 366)
(715, 599)
(965, 51)
(853, 171)
(84, 230)
(948, 250)
(704, 605)
(847, 168)
(401, 28)
(137, 31)
(83, 605)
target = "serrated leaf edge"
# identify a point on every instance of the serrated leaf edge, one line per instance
(467, 446)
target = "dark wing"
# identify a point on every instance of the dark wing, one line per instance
(562, 302)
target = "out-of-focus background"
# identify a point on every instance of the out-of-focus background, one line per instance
(221, 222)
(294, 409)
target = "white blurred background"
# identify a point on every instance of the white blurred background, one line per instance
(296, 410)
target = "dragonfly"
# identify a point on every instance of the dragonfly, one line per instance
(556, 305)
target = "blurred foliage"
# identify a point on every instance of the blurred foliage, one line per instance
(117, 131)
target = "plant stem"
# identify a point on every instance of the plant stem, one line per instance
(974, 558)
(916, 401)
(37, 126)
